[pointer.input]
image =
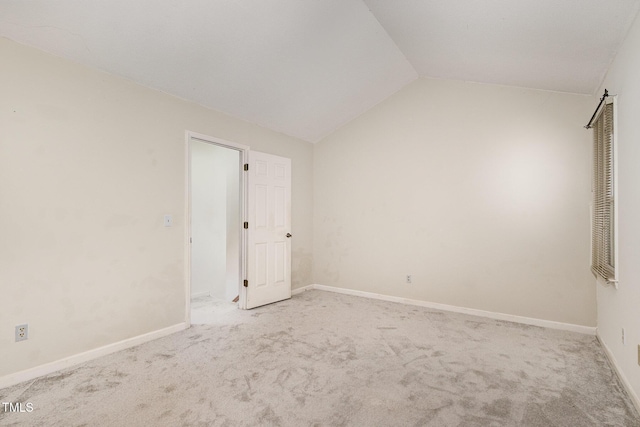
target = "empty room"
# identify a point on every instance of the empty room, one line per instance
(327, 213)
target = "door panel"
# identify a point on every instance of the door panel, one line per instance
(269, 217)
(261, 264)
(261, 207)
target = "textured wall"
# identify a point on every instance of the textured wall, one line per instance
(89, 164)
(480, 192)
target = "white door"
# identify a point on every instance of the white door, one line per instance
(269, 228)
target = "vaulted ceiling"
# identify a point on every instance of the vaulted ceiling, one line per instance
(305, 67)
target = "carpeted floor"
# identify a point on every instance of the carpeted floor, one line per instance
(326, 359)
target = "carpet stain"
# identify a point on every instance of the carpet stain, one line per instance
(89, 388)
(243, 397)
(499, 408)
(268, 417)
(165, 356)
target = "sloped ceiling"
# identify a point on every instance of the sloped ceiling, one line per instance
(305, 67)
(560, 45)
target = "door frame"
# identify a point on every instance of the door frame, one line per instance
(244, 158)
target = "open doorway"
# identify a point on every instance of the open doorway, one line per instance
(238, 246)
(215, 184)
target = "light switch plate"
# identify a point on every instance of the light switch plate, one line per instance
(168, 221)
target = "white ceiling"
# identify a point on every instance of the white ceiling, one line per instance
(560, 45)
(305, 67)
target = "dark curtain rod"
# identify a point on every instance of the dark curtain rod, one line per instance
(606, 93)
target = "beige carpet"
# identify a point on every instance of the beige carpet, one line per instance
(325, 359)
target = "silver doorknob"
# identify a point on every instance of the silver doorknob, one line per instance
(288, 234)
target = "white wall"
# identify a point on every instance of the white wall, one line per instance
(620, 308)
(215, 225)
(89, 164)
(480, 192)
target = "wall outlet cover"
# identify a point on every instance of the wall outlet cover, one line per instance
(22, 332)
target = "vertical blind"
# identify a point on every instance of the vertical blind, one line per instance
(603, 233)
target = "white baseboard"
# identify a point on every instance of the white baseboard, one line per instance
(623, 379)
(48, 368)
(474, 312)
(297, 291)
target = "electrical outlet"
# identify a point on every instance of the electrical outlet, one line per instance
(22, 332)
(624, 339)
(408, 278)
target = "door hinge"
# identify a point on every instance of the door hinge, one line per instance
(190, 239)
(246, 283)
(246, 224)
(246, 166)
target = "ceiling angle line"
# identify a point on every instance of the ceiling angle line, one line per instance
(606, 93)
